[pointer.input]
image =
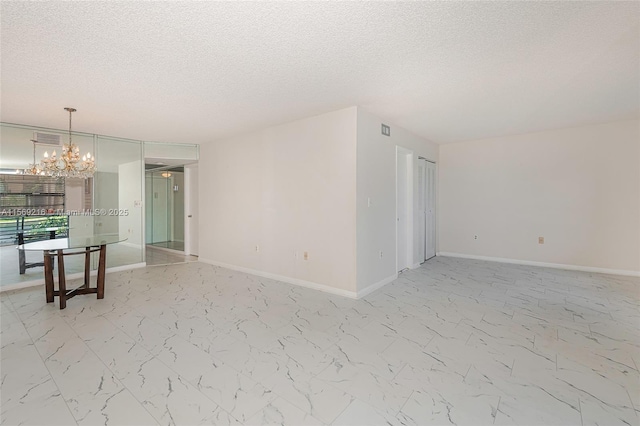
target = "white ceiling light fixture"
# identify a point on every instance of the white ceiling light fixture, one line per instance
(68, 165)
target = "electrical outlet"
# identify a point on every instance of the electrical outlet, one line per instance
(368, 202)
(257, 248)
(380, 254)
(540, 240)
(306, 255)
(475, 237)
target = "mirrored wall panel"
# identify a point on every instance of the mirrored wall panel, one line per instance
(112, 202)
(118, 199)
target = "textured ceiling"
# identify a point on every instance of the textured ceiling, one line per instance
(198, 71)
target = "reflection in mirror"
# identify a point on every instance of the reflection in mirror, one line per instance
(112, 202)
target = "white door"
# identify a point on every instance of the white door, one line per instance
(425, 234)
(420, 231)
(430, 210)
(191, 210)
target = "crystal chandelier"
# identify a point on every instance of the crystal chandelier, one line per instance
(34, 168)
(69, 164)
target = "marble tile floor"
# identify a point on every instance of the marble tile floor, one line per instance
(453, 342)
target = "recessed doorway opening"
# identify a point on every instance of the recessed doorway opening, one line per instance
(166, 208)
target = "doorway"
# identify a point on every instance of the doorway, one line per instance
(166, 195)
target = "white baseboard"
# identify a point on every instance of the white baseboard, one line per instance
(415, 265)
(40, 281)
(124, 267)
(167, 250)
(26, 284)
(289, 280)
(132, 245)
(544, 264)
(374, 287)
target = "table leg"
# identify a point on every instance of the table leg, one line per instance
(22, 262)
(62, 284)
(87, 266)
(48, 276)
(101, 270)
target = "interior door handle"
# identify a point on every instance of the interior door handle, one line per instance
(190, 216)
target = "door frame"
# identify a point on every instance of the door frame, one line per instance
(432, 206)
(190, 205)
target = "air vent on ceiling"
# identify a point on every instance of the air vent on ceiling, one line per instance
(46, 138)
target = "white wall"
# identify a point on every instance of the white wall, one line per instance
(177, 179)
(74, 197)
(129, 192)
(288, 189)
(404, 208)
(579, 188)
(376, 180)
(191, 200)
(16, 149)
(106, 197)
(76, 201)
(148, 208)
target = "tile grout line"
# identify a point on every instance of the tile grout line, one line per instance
(108, 368)
(633, 405)
(580, 407)
(405, 403)
(497, 409)
(169, 367)
(45, 366)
